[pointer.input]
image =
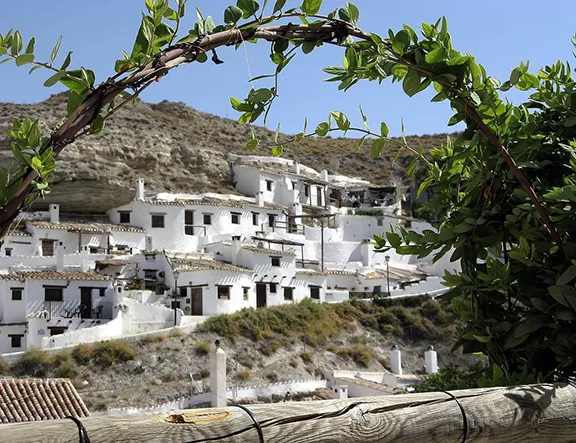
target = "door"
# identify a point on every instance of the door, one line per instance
(86, 302)
(260, 295)
(196, 301)
(319, 191)
(47, 248)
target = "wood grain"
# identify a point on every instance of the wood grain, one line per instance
(536, 413)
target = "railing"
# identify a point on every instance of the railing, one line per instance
(74, 309)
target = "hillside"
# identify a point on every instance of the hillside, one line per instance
(292, 342)
(177, 148)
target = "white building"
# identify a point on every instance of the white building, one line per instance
(167, 259)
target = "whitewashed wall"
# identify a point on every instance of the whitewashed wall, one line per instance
(6, 341)
(19, 245)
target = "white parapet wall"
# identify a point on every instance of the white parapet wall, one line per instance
(145, 317)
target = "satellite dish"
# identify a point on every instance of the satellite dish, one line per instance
(334, 165)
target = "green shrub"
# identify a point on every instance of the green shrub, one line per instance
(244, 375)
(272, 377)
(4, 366)
(82, 354)
(293, 362)
(63, 365)
(306, 357)
(33, 363)
(269, 347)
(360, 354)
(108, 353)
(152, 338)
(204, 373)
(202, 347)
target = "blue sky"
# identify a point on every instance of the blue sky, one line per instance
(499, 33)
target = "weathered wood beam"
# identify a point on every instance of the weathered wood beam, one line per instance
(536, 413)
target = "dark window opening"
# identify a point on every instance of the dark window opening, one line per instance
(53, 294)
(275, 261)
(124, 217)
(17, 294)
(207, 219)
(255, 218)
(235, 218)
(315, 292)
(8, 252)
(272, 288)
(271, 220)
(288, 293)
(189, 222)
(269, 185)
(55, 330)
(294, 185)
(224, 292)
(245, 292)
(16, 340)
(102, 292)
(307, 190)
(157, 220)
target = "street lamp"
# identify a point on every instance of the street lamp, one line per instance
(387, 258)
(176, 273)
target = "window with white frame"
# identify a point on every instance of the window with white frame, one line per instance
(224, 292)
(235, 218)
(157, 220)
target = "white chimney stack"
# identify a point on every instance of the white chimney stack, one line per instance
(85, 258)
(149, 244)
(59, 256)
(366, 251)
(324, 175)
(296, 167)
(139, 190)
(340, 392)
(236, 245)
(54, 213)
(218, 376)
(259, 199)
(431, 360)
(396, 360)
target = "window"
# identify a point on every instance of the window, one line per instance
(224, 292)
(17, 294)
(189, 222)
(207, 219)
(16, 340)
(157, 220)
(102, 292)
(315, 292)
(124, 216)
(380, 222)
(271, 220)
(269, 185)
(319, 191)
(235, 218)
(275, 261)
(272, 288)
(294, 185)
(53, 294)
(150, 279)
(56, 330)
(8, 252)
(255, 218)
(307, 190)
(245, 292)
(288, 293)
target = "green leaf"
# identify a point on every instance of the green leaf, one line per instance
(74, 100)
(567, 276)
(411, 83)
(383, 129)
(252, 144)
(30, 47)
(394, 239)
(97, 125)
(171, 14)
(278, 6)
(277, 133)
(311, 7)
(16, 43)
(377, 147)
(248, 7)
(36, 164)
(353, 12)
(209, 25)
(235, 103)
(54, 52)
(308, 47)
(67, 61)
(277, 150)
(435, 56)
(341, 120)
(569, 122)
(322, 129)
(364, 119)
(54, 79)
(24, 59)
(88, 76)
(232, 14)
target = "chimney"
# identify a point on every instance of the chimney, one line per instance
(54, 213)
(85, 258)
(340, 392)
(236, 245)
(259, 199)
(431, 360)
(149, 244)
(296, 167)
(139, 190)
(59, 256)
(366, 251)
(324, 175)
(396, 360)
(218, 376)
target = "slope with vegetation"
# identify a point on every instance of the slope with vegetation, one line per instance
(299, 341)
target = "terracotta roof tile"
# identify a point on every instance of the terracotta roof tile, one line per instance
(54, 275)
(23, 400)
(18, 228)
(87, 226)
(211, 201)
(190, 264)
(268, 251)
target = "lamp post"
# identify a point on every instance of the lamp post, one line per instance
(387, 258)
(176, 273)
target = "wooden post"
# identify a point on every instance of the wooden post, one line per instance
(536, 413)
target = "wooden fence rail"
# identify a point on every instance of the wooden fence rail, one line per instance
(535, 413)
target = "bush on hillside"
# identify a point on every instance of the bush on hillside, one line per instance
(202, 347)
(82, 354)
(4, 366)
(33, 363)
(108, 353)
(64, 365)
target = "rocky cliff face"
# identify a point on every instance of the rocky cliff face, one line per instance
(176, 149)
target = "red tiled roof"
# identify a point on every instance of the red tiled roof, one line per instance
(24, 400)
(54, 275)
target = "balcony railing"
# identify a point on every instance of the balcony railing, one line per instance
(74, 309)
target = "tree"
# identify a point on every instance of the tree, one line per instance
(506, 186)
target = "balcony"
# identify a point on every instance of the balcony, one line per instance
(74, 309)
